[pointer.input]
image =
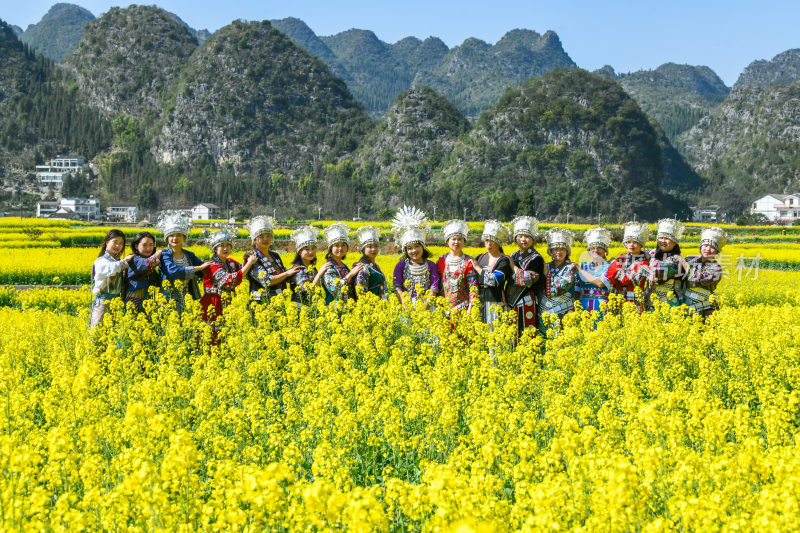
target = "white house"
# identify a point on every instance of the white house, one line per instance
(84, 208)
(780, 208)
(709, 213)
(54, 172)
(123, 213)
(205, 212)
(46, 209)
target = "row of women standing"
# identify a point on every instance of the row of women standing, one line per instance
(524, 282)
(521, 281)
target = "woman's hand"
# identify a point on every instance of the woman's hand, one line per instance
(203, 266)
(356, 269)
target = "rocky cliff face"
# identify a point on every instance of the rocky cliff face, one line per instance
(407, 148)
(569, 141)
(676, 96)
(252, 99)
(129, 58)
(472, 75)
(59, 31)
(783, 69)
(749, 145)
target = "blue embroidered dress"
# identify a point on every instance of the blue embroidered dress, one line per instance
(591, 296)
(181, 270)
(142, 274)
(333, 282)
(371, 278)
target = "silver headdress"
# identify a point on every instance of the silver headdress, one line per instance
(597, 237)
(172, 222)
(260, 225)
(337, 232)
(715, 237)
(305, 236)
(525, 226)
(223, 236)
(494, 230)
(559, 238)
(367, 235)
(410, 225)
(455, 227)
(670, 228)
(635, 232)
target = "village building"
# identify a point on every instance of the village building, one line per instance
(123, 213)
(54, 172)
(205, 212)
(778, 208)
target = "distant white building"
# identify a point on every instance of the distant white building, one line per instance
(84, 208)
(205, 212)
(46, 209)
(779, 208)
(123, 213)
(709, 213)
(54, 172)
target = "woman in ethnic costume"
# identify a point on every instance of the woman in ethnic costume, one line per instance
(305, 259)
(666, 263)
(493, 268)
(528, 279)
(268, 277)
(178, 264)
(336, 277)
(593, 285)
(455, 268)
(107, 274)
(631, 270)
(414, 273)
(221, 278)
(703, 272)
(560, 276)
(143, 272)
(370, 278)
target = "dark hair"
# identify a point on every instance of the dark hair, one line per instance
(139, 238)
(660, 254)
(364, 259)
(112, 234)
(425, 252)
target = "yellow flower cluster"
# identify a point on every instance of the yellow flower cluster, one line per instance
(381, 414)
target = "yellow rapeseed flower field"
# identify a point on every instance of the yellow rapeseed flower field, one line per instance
(381, 414)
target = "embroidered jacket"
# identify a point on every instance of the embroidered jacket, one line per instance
(627, 272)
(172, 272)
(492, 281)
(333, 282)
(261, 274)
(370, 278)
(529, 279)
(457, 284)
(298, 283)
(107, 275)
(430, 279)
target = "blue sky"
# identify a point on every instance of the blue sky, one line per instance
(629, 36)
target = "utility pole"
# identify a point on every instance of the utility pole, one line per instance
(319, 213)
(434, 213)
(465, 214)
